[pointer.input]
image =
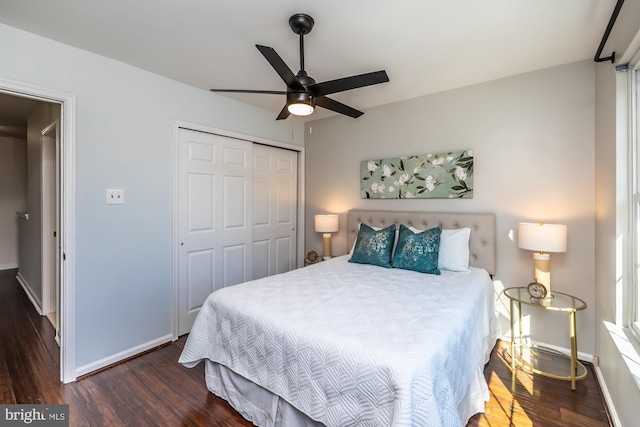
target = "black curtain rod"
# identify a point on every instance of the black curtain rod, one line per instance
(605, 36)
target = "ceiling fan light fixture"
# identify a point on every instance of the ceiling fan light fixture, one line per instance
(300, 109)
(300, 103)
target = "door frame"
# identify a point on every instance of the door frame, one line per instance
(67, 197)
(49, 192)
(179, 124)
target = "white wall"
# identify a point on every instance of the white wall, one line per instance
(13, 197)
(533, 141)
(123, 140)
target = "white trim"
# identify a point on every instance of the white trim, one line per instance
(47, 166)
(301, 204)
(27, 290)
(615, 420)
(177, 125)
(68, 214)
(8, 266)
(175, 241)
(232, 134)
(125, 354)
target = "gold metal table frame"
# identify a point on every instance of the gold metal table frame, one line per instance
(557, 302)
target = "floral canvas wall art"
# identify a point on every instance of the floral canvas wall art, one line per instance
(434, 176)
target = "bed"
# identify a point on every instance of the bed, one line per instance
(340, 343)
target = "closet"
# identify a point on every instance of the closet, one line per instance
(237, 215)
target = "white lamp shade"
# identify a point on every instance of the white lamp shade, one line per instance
(542, 237)
(326, 223)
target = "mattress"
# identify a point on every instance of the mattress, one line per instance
(353, 345)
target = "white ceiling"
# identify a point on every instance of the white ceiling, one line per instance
(425, 46)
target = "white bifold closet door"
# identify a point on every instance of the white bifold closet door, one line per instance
(275, 177)
(222, 183)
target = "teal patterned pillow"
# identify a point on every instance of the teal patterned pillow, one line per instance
(374, 247)
(418, 251)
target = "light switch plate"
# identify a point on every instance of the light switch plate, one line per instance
(115, 197)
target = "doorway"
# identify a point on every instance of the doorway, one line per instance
(60, 201)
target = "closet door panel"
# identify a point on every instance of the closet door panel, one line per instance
(275, 207)
(214, 218)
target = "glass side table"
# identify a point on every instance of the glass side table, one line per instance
(560, 302)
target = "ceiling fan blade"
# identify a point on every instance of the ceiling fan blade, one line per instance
(281, 68)
(284, 113)
(268, 92)
(338, 107)
(348, 83)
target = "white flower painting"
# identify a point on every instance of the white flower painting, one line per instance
(438, 176)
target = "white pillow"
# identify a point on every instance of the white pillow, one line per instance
(453, 254)
(454, 250)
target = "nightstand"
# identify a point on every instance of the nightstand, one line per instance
(560, 302)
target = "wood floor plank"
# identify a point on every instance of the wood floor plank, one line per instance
(537, 400)
(159, 369)
(6, 331)
(6, 385)
(92, 406)
(25, 382)
(155, 390)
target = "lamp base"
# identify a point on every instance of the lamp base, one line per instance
(326, 246)
(541, 271)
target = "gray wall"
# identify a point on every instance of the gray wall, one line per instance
(533, 141)
(30, 258)
(124, 140)
(13, 197)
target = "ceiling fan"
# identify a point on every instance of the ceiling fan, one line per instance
(303, 93)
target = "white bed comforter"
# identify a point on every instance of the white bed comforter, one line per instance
(354, 345)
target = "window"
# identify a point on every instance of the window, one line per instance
(633, 294)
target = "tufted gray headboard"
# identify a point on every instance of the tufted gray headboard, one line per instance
(482, 243)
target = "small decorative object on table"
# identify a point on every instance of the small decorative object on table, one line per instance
(312, 258)
(537, 290)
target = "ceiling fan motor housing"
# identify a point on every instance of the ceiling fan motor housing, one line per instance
(300, 98)
(301, 23)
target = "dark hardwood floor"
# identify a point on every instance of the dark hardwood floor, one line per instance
(154, 390)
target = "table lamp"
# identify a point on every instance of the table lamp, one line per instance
(542, 238)
(326, 224)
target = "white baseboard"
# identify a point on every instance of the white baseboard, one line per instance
(118, 357)
(27, 289)
(607, 398)
(8, 267)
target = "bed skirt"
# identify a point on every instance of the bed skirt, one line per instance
(254, 403)
(265, 409)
